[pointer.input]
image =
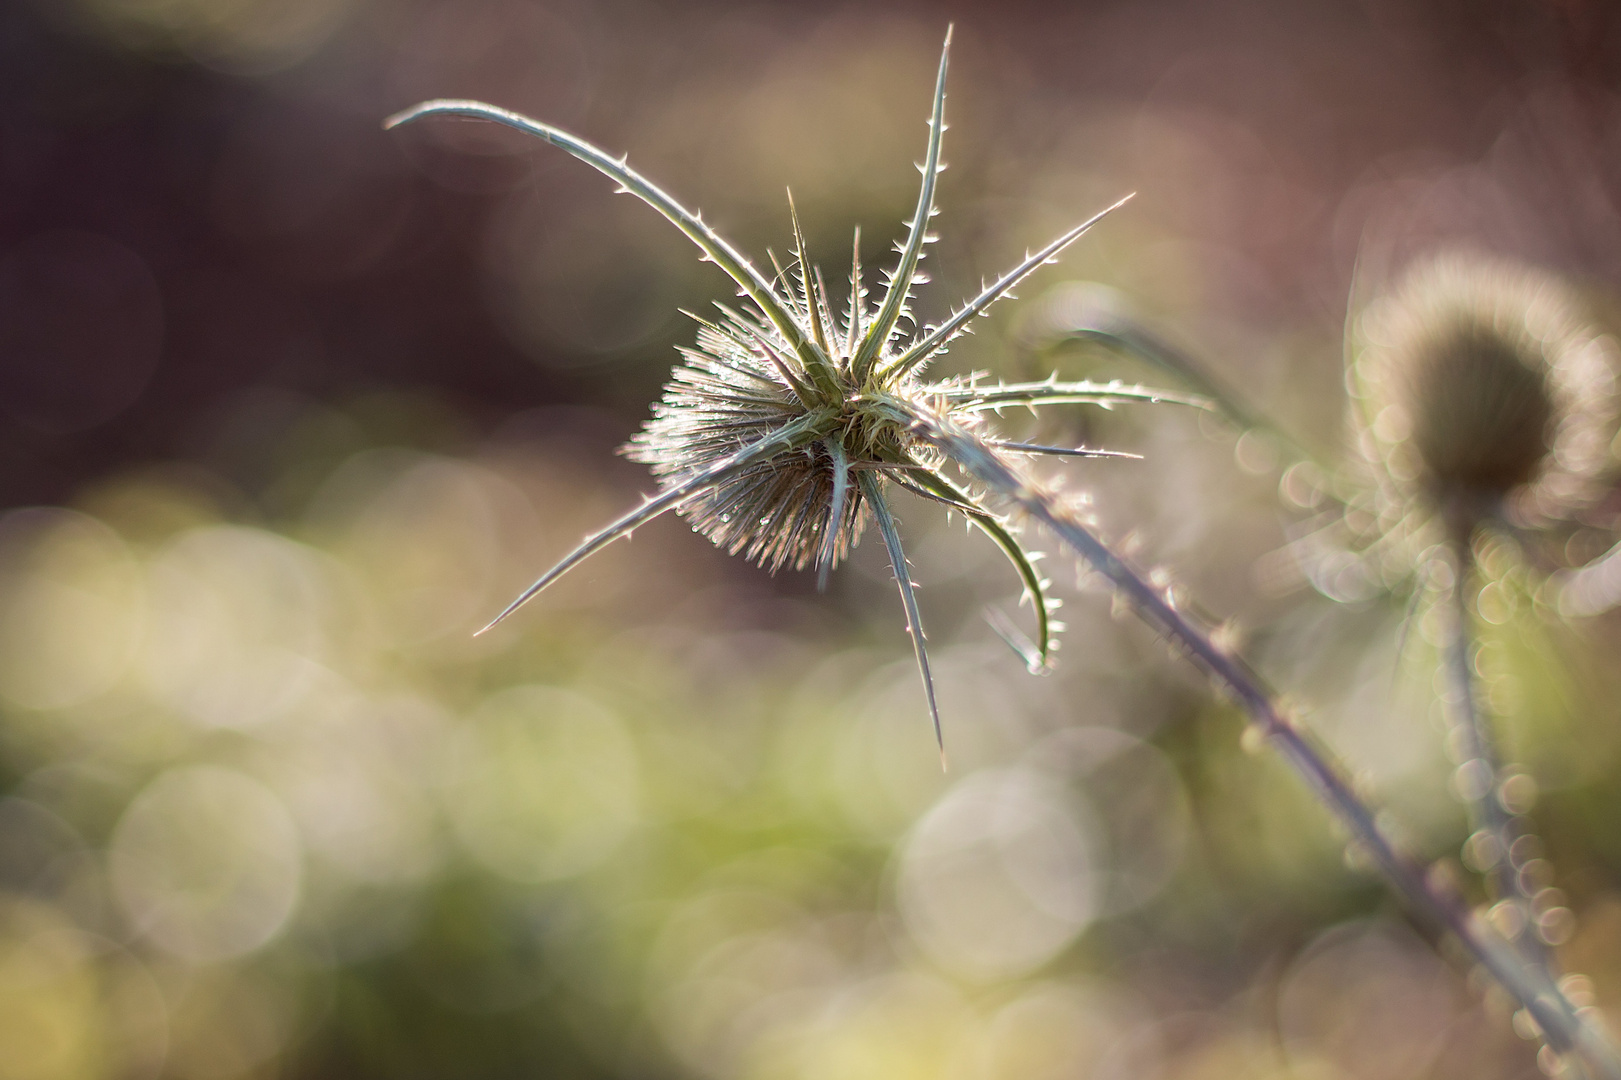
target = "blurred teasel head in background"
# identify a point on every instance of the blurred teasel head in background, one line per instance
(1482, 391)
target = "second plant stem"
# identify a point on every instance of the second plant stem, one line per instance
(1480, 766)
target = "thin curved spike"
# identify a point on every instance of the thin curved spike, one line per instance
(902, 476)
(878, 333)
(934, 339)
(986, 522)
(987, 399)
(1062, 451)
(1108, 325)
(787, 437)
(1114, 329)
(835, 516)
(807, 286)
(785, 280)
(871, 487)
(763, 339)
(714, 247)
(780, 362)
(824, 312)
(1014, 639)
(855, 297)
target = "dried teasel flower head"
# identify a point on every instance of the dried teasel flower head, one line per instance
(1483, 391)
(791, 421)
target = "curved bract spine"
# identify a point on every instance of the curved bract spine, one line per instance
(972, 398)
(841, 494)
(900, 281)
(798, 433)
(872, 490)
(982, 519)
(936, 339)
(715, 248)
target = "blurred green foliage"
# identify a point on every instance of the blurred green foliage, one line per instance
(273, 812)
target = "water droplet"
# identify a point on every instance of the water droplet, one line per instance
(1547, 899)
(1517, 793)
(1556, 925)
(1524, 849)
(1472, 780)
(1482, 851)
(1507, 918)
(1578, 989)
(1535, 876)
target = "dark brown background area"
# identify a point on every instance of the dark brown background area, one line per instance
(176, 232)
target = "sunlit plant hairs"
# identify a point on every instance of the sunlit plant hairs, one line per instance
(784, 429)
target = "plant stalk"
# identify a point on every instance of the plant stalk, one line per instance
(1565, 1031)
(1474, 737)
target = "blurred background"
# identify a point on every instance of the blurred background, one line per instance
(289, 406)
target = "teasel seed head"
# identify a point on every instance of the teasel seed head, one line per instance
(786, 427)
(1484, 391)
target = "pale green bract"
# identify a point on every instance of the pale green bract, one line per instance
(780, 434)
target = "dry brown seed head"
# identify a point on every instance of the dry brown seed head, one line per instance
(1483, 389)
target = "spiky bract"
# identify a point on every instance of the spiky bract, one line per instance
(780, 433)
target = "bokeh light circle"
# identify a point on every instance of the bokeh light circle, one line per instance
(71, 608)
(546, 786)
(207, 863)
(245, 37)
(1001, 875)
(1371, 997)
(237, 625)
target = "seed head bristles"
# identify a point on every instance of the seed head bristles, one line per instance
(778, 433)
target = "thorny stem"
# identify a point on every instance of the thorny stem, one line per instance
(1564, 1030)
(1479, 752)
